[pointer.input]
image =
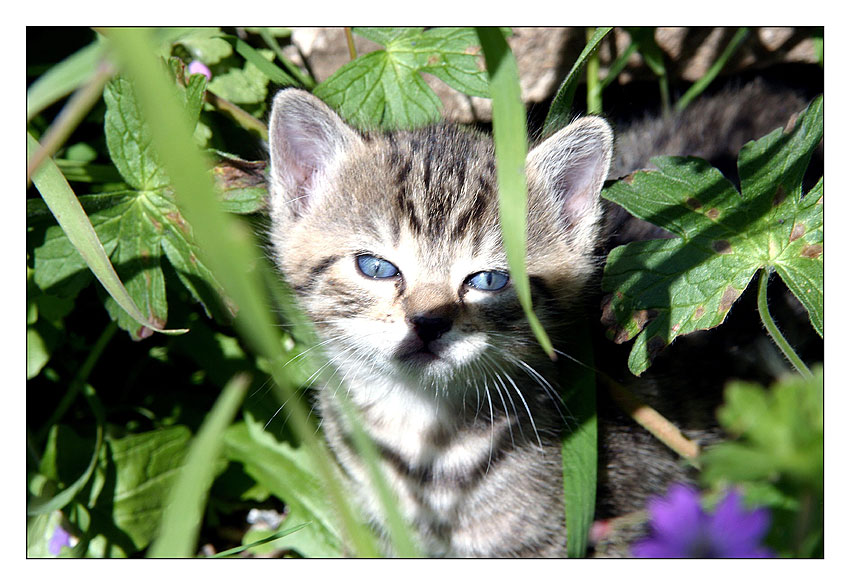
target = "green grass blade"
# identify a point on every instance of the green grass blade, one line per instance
(65, 497)
(509, 135)
(63, 78)
(560, 111)
(579, 448)
(699, 86)
(181, 519)
(269, 69)
(65, 206)
(227, 247)
(279, 534)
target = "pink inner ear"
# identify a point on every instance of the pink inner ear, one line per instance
(577, 185)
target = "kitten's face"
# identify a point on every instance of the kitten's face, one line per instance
(393, 245)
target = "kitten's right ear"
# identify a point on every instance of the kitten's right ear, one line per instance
(307, 140)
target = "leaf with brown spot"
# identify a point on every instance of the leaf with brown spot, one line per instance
(724, 237)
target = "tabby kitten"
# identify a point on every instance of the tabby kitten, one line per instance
(392, 243)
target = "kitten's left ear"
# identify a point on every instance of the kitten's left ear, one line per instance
(572, 165)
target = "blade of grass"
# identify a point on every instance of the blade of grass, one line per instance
(699, 86)
(280, 534)
(63, 78)
(618, 65)
(510, 138)
(66, 208)
(306, 81)
(594, 88)
(70, 117)
(65, 497)
(227, 248)
(269, 69)
(181, 519)
(560, 110)
(579, 447)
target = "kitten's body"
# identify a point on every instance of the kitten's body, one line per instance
(392, 243)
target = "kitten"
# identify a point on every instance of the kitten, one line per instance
(391, 241)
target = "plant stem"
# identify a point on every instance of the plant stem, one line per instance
(352, 52)
(712, 72)
(773, 330)
(650, 419)
(594, 91)
(80, 379)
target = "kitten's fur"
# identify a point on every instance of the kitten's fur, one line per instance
(448, 378)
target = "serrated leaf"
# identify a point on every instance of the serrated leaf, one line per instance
(778, 432)
(127, 138)
(135, 228)
(245, 85)
(287, 472)
(666, 288)
(385, 87)
(145, 467)
(82, 238)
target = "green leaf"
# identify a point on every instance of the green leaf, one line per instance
(509, 136)
(80, 233)
(666, 288)
(385, 88)
(145, 467)
(136, 228)
(779, 432)
(262, 62)
(206, 45)
(50, 467)
(579, 448)
(286, 471)
(184, 512)
(561, 108)
(128, 140)
(63, 78)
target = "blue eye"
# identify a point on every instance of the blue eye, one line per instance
(491, 280)
(375, 267)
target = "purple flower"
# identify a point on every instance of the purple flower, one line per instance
(198, 68)
(59, 539)
(680, 528)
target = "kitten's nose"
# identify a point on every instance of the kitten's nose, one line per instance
(430, 328)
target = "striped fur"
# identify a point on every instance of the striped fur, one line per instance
(468, 424)
(468, 421)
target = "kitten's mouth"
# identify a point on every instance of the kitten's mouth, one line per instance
(419, 354)
(422, 356)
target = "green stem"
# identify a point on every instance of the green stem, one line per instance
(773, 330)
(80, 379)
(698, 87)
(594, 91)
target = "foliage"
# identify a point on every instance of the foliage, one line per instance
(136, 443)
(662, 289)
(385, 88)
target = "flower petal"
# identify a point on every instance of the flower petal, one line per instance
(736, 532)
(677, 518)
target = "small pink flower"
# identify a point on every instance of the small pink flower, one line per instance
(198, 68)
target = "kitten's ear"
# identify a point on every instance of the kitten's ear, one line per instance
(307, 140)
(572, 165)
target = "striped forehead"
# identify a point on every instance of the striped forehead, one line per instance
(442, 185)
